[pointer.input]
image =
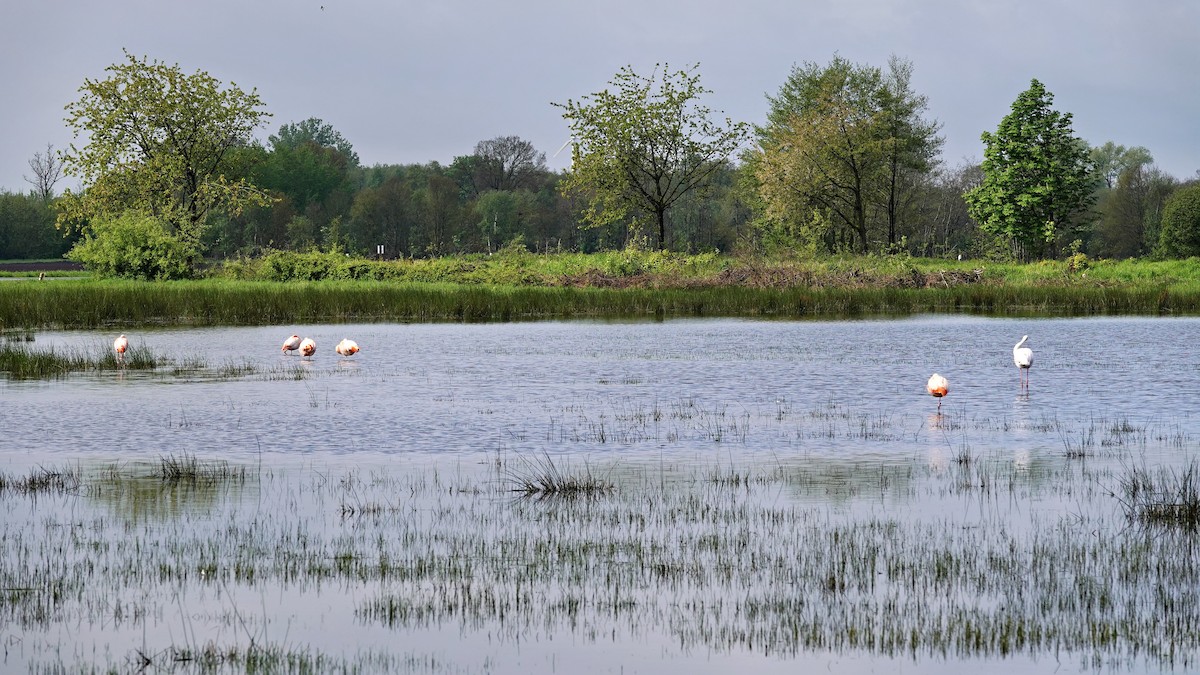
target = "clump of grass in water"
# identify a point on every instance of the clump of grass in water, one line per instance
(253, 658)
(43, 480)
(1166, 498)
(187, 469)
(23, 363)
(543, 478)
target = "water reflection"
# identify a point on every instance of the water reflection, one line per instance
(140, 493)
(756, 519)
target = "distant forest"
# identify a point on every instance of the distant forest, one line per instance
(503, 195)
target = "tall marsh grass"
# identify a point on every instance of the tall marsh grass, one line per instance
(94, 304)
(1166, 497)
(20, 362)
(543, 478)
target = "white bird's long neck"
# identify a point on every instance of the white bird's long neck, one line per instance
(1018, 345)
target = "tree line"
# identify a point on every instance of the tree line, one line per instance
(847, 160)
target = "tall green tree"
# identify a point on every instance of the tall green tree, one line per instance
(642, 145)
(27, 228)
(306, 174)
(1037, 175)
(508, 163)
(384, 214)
(313, 131)
(1110, 160)
(844, 142)
(911, 146)
(1133, 211)
(159, 141)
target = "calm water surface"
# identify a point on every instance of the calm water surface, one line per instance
(441, 390)
(839, 408)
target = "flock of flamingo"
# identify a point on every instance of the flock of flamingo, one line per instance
(938, 386)
(307, 346)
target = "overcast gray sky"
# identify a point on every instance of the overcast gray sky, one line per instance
(414, 82)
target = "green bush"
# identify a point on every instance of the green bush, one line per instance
(1180, 235)
(134, 246)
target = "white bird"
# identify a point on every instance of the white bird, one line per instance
(346, 347)
(308, 346)
(119, 346)
(291, 344)
(1023, 357)
(937, 388)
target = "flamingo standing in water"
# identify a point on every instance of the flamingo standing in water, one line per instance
(119, 346)
(291, 344)
(937, 388)
(346, 347)
(308, 346)
(1023, 357)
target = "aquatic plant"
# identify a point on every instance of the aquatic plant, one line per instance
(542, 477)
(1166, 497)
(43, 480)
(187, 468)
(20, 361)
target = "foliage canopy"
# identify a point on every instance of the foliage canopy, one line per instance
(1180, 236)
(159, 141)
(643, 145)
(843, 142)
(1037, 174)
(134, 246)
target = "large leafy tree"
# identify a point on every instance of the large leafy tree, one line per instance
(159, 141)
(1037, 175)
(508, 163)
(911, 146)
(384, 214)
(27, 228)
(313, 131)
(1131, 193)
(1110, 160)
(308, 161)
(642, 145)
(843, 142)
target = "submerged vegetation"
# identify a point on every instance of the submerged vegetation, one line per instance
(543, 478)
(42, 480)
(21, 361)
(511, 287)
(669, 553)
(1164, 497)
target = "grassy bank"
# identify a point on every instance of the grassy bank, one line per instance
(658, 269)
(654, 285)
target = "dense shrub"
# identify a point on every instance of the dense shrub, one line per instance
(134, 246)
(1180, 235)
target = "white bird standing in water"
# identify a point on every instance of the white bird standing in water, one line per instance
(119, 346)
(1023, 357)
(308, 346)
(346, 347)
(937, 388)
(291, 344)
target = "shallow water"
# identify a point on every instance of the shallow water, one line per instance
(407, 452)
